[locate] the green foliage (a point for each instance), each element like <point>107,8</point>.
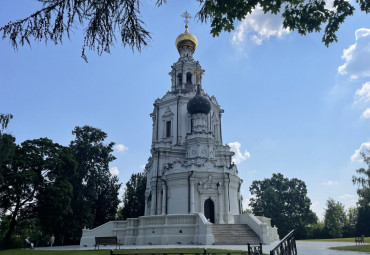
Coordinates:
<point>302,16</point>
<point>37,167</point>
<point>134,197</point>
<point>316,230</point>
<point>95,190</point>
<point>7,142</point>
<point>335,219</point>
<point>285,201</point>
<point>4,121</point>
<point>349,229</point>
<point>46,188</point>
<point>363,191</point>
<point>344,240</point>
<point>101,20</point>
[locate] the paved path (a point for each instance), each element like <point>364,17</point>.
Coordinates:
<point>304,248</point>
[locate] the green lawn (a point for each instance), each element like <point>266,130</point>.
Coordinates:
<point>348,240</point>
<point>106,252</point>
<point>365,248</point>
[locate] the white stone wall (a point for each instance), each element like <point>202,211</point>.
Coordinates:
<point>155,230</point>
<point>260,225</point>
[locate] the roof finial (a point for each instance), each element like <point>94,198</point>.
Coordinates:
<point>186,16</point>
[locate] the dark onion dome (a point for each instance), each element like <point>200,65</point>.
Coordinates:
<point>199,104</point>
<point>186,39</point>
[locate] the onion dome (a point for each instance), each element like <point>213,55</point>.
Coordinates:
<point>199,104</point>
<point>186,39</point>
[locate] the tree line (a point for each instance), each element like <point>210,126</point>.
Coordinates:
<point>285,201</point>
<point>47,188</point>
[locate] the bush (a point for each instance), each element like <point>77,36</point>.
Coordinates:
<point>15,242</point>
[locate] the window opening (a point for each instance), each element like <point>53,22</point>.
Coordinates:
<point>168,129</point>
<point>188,78</point>
<point>179,78</point>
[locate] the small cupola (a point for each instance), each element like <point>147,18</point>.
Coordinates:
<point>186,39</point>
<point>199,103</point>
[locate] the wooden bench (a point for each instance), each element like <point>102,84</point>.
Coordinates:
<point>107,240</point>
<point>359,240</point>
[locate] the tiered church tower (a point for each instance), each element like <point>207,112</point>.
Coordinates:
<point>190,170</point>
<point>193,190</point>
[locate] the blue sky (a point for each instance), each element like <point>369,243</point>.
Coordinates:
<point>291,104</point>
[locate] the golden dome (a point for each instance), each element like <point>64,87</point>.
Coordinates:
<point>186,39</point>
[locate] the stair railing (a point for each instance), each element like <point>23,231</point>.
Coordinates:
<point>255,249</point>
<point>287,246</point>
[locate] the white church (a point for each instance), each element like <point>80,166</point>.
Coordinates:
<point>193,190</point>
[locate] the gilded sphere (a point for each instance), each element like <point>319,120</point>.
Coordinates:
<point>186,39</point>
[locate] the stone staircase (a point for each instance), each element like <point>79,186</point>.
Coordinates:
<point>239,234</point>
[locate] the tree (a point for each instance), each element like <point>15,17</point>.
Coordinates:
<point>7,141</point>
<point>33,167</point>
<point>54,200</point>
<point>334,219</point>
<point>134,197</point>
<point>363,191</point>
<point>349,229</point>
<point>57,18</point>
<point>95,190</point>
<point>285,201</point>
<point>7,147</point>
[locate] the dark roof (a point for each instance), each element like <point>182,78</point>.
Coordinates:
<point>199,104</point>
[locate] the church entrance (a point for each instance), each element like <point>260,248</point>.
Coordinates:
<point>209,210</point>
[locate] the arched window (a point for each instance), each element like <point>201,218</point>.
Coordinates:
<point>188,78</point>
<point>179,79</point>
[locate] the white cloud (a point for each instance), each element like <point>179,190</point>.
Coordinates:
<point>366,114</point>
<point>349,200</point>
<point>114,171</point>
<point>347,197</point>
<point>363,95</point>
<point>365,147</point>
<point>238,157</point>
<point>357,56</point>
<point>330,183</point>
<point>260,26</point>
<point>120,147</point>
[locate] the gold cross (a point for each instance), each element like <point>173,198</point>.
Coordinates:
<point>187,16</point>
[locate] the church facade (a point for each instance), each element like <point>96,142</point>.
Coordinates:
<point>192,184</point>
<point>190,170</point>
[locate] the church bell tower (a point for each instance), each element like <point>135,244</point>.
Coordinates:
<point>190,170</point>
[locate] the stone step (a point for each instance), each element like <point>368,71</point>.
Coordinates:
<point>229,234</point>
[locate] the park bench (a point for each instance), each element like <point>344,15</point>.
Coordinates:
<point>359,240</point>
<point>107,240</point>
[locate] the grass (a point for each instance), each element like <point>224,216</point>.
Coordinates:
<point>347,240</point>
<point>106,252</point>
<point>364,248</point>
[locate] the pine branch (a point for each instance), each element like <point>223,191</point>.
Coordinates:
<point>103,17</point>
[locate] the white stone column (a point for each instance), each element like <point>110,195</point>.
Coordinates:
<point>153,201</point>
<point>146,204</point>
<point>192,203</point>
<point>226,200</point>
<point>164,198</point>
<point>221,212</point>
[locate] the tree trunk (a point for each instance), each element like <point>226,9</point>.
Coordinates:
<point>8,235</point>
